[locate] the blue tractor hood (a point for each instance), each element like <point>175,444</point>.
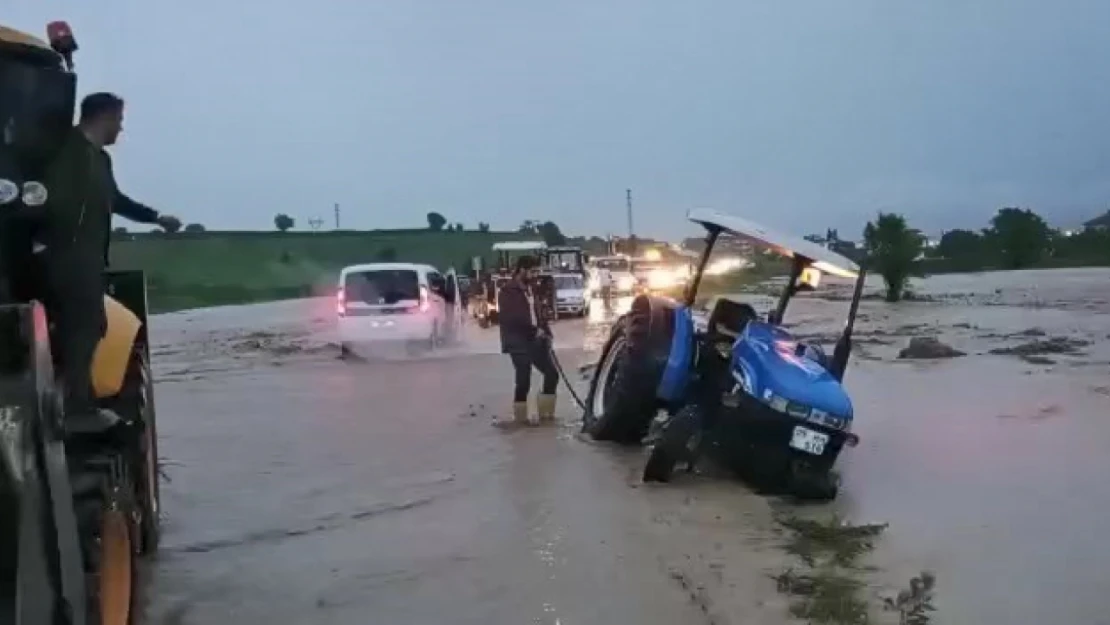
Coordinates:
<point>766,362</point>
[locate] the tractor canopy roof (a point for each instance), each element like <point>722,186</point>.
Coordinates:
<point>820,258</point>
<point>518,246</point>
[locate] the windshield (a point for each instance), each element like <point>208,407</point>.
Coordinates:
<point>569,282</point>
<point>564,260</point>
<point>382,286</point>
<point>613,264</point>
<point>644,266</point>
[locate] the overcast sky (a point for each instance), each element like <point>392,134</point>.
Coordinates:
<point>804,114</point>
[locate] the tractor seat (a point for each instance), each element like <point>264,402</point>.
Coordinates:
<point>729,317</point>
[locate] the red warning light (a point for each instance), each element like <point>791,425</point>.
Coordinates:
<point>62,40</point>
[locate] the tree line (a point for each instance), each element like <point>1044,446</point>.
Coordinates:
<point>1015,238</point>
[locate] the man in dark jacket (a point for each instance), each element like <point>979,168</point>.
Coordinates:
<point>75,232</point>
<point>526,338</point>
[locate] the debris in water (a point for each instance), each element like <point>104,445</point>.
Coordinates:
<point>928,348</point>
<point>1054,345</point>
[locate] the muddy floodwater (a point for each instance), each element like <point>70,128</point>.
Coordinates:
<point>307,489</point>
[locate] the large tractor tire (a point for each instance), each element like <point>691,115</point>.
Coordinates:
<point>622,401</point>
<point>104,504</point>
<point>136,405</point>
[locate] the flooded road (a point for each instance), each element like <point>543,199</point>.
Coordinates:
<point>309,489</point>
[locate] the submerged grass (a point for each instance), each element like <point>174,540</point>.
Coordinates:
<point>825,596</point>
<point>837,542</point>
<point>829,591</point>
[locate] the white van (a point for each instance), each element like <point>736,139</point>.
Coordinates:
<point>398,302</point>
<point>571,298</point>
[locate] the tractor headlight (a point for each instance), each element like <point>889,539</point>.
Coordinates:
<point>802,411</point>
<point>9,191</point>
<point>34,193</point>
<point>786,406</point>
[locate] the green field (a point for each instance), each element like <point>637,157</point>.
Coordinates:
<point>189,270</point>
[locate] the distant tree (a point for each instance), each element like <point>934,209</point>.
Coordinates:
<point>551,233</point>
<point>963,247</point>
<point>483,226</point>
<point>892,250</point>
<point>387,254</point>
<point>528,226</point>
<point>1021,236</point>
<point>119,230</point>
<point>194,228</point>
<point>283,222</point>
<point>458,227</point>
<point>436,222</point>
<point>172,226</point>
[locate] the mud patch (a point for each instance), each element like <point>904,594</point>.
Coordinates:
<point>928,348</point>
<point>1058,345</point>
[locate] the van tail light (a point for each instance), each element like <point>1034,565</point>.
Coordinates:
<point>425,304</point>
<point>341,302</point>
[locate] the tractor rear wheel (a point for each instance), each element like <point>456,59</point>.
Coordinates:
<point>622,401</point>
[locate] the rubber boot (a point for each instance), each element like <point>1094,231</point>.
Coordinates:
<point>520,417</point>
<point>545,408</point>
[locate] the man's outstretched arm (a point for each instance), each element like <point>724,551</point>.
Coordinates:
<point>135,211</point>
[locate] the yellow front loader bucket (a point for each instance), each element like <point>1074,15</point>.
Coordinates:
<point>113,353</point>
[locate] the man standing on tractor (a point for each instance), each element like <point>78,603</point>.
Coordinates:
<point>76,229</point>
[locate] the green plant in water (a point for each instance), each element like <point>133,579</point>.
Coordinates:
<point>825,596</point>
<point>915,603</point>
<point>834,540</point>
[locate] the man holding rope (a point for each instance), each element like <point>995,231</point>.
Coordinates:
<point>526,338</point>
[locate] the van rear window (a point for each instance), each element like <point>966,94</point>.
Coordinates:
<point>382,286</point>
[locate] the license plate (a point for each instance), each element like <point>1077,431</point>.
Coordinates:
<point>809,441</point>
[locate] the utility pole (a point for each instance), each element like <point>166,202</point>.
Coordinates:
<point>337,215</point>
<point>631,234</point>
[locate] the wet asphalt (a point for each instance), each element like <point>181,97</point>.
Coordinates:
<point>306,489</point>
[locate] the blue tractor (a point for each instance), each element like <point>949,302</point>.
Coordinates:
<point>729,380</point>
